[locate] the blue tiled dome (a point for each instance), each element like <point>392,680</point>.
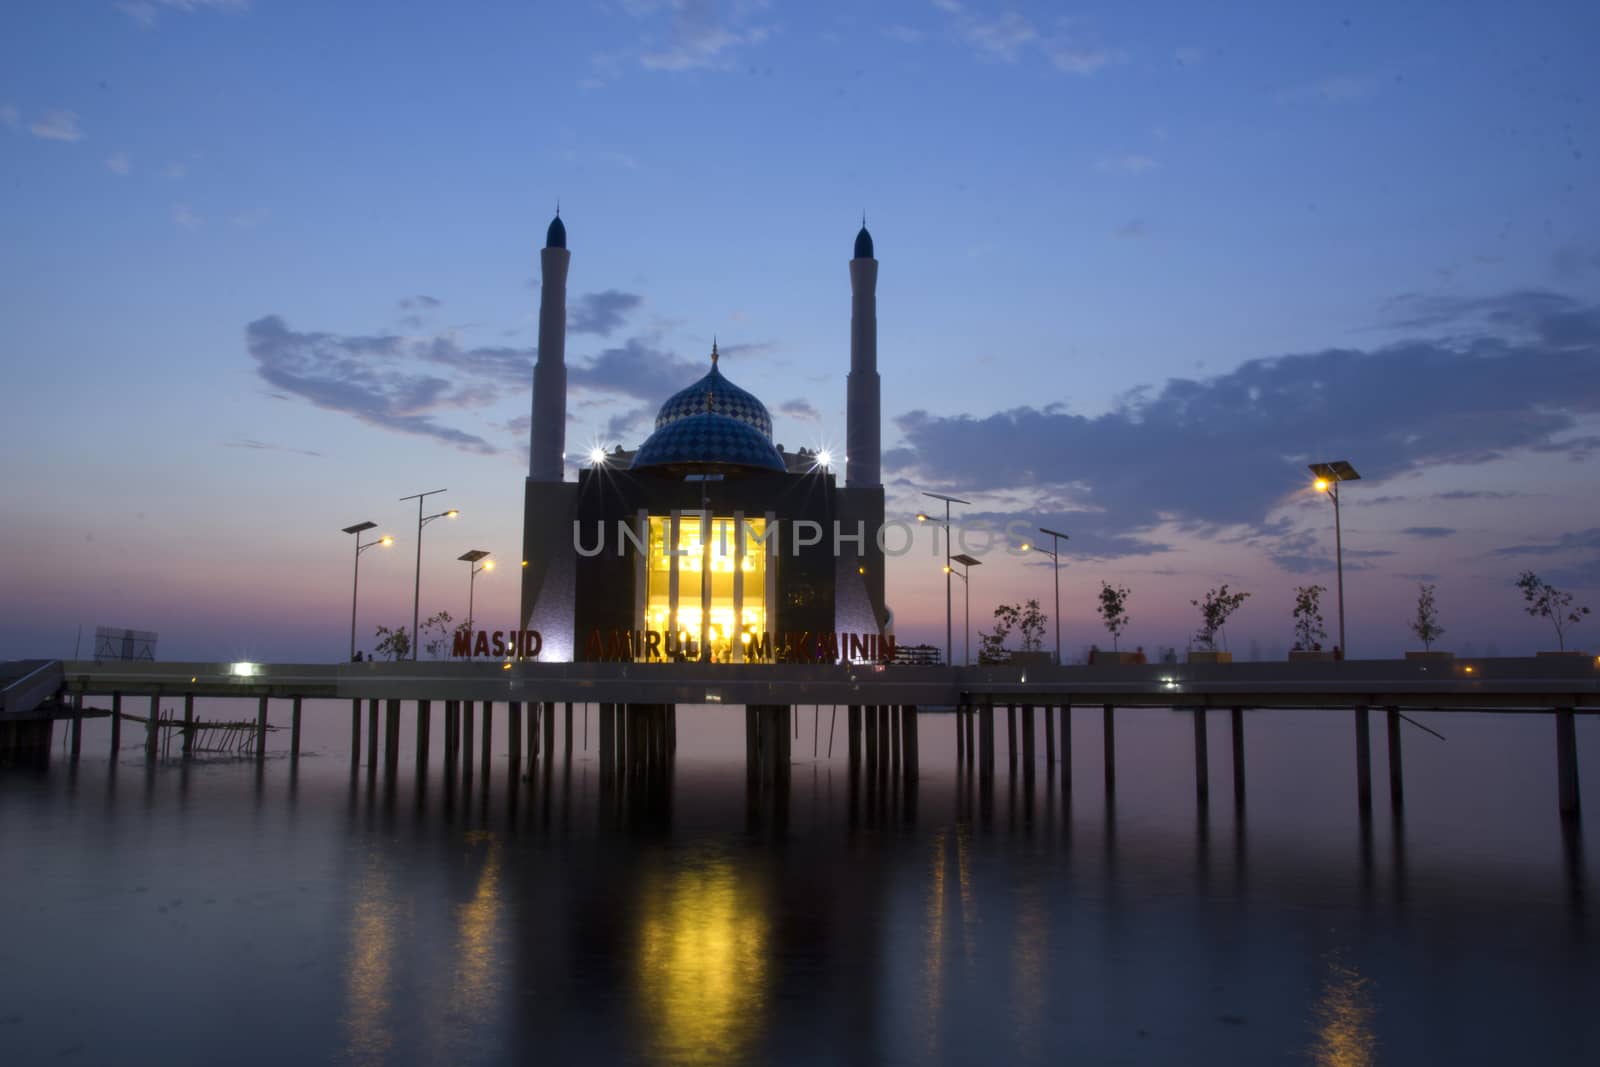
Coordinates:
<point>716,393</point>
<point>715,423</point>
<point>708,438</point>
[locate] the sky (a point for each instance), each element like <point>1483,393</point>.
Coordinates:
<point>266,267</point>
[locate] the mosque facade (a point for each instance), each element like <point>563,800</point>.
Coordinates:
<point>706,542</point>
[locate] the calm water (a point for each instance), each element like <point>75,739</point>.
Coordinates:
<point>214,910</point>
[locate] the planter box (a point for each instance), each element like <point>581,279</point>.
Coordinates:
<point>1311,657</point>
<point>1211,657</point>
<point>1432,657</point>
<point>1098,656</point>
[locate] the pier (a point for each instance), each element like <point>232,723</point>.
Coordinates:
<point>884,708</point>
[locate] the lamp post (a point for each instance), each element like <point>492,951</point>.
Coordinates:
<point>967,563</point>
<point>416,590</point>
<point>358,529</point>
<point>1054,552</point>
<point>471,560</point>
<point>1329,475</point>
<point>949,643</point>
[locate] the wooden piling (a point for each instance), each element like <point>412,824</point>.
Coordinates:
<point>913,759</point>
<point>607,744</point>
<point>514,735</point>
<point>1363,761</point>
<point>852,726</point>
<point>1029,755</point>
<point>488,737</point>
<point>1397,784</point>
<point>870,720</point>
<point>116,724</point>
<point>566,747</point>
<point>1236,717</point>
<point>152,729</point>
<point>1049,739</point>
<point>972,736</point>
<point>294,729</point>
<point>466,740</point>
<point>961,736</point>
<point>77,726</point>
<point>355,733</point>
<point>372,734</point>
<point>986,741</point>
<point>894,740</point>
<point>550,731</point>
<point>391,737</point>
<point>1110,748</point>
<point>1567,762</point>
<point>885,744</point>
<point>1011,736</point>
<point>424,727</point>
<point>1202,764</point>
<point>1066,750</point>
<point>261,728</point>
<point>188,723</point>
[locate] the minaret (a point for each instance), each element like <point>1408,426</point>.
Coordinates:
<point>545,459</point>
<point>862,437</point>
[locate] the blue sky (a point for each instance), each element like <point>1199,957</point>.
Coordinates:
<point>1139,263</point>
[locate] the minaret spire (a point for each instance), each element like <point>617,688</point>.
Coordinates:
<point>546,455</point>
<point>863,440</point>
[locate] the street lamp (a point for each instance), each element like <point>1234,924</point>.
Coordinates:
<point>1329,475</point>
<point>949,644</point>
<point>967,563</point>
<point>358,529</point>
<point>1054,552</point>
<point>422,520</point>
<point>471,559</point>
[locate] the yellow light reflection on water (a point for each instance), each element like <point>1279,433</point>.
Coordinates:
<point>472,996</point>
<point>702,968</point>
<point>1344,1019</point>
<point>934,964</point>
<point>369,971</point>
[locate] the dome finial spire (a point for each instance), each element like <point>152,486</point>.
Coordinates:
<point>713,350</point>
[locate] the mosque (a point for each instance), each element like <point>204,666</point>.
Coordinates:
<point>706,542</point>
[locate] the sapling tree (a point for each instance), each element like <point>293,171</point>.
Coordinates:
<point>1308,629</point>
<point>1546,601</point>
<point>392,644</point>
<point>1216,607</point>
<point>1426,624</point>
<point>1114,609</point>
<point>1030,624</point>
<point>436,632</point>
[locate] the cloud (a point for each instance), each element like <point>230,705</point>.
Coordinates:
<point>749,348</point>
<point>118,164</point>
<point>420,302</point>
<point>799,408</point>
<point>10,118</point>
<point>1011,37</point>
<point>1128,163</point>
<point>1572,262</point>
<point>147,12</point>
<point>904,34</point>
<point>386,381</point>
<point>1335,89</point>
<point>1399,409</point>
<point>1131,230</point>
<point>57,126</point>
<point>696,34</point>
<point>1429,532</point>
<point>627,426</point>
<point>1580,540</point>
<point>263,446</point>
<point>635,369</point>
<point>601,313</point>
<point>185,217</point>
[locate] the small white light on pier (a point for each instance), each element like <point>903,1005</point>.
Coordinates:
<point>245,670</point>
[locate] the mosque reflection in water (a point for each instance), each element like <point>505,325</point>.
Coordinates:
<point>691,916</point>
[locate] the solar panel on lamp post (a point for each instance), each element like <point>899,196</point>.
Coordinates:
<point>471,559</point>
<point>416,590</point>
<point>967,563</point>
<point>949,641</point>
<point>358,529</point>
<point>1329,475</point>
<point>1054,552</point>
